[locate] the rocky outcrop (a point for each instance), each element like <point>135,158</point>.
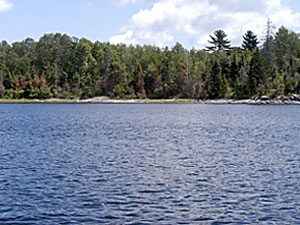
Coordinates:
<point>259,100</point>
<point>292,99</point>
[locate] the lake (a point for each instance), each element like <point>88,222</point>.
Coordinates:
<point>149,164</point>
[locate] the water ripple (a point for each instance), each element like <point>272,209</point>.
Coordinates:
<point>149,164</point>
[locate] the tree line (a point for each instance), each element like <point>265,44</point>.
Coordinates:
<point>60,66</point>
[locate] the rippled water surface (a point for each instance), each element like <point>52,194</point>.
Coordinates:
<point>149,164</point>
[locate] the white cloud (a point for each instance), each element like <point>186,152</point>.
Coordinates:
<point>191,21</point>
<point>127,2</point>
<point>5,5</point>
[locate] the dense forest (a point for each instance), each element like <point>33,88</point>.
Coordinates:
<point>60,66</point>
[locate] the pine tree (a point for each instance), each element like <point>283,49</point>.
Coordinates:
<point>250,41</point>
<point>257,73</point>
<point>215,80</point>
<point>234,71</point>
<point>219,41</point>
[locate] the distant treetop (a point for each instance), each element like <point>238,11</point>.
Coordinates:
<point>250,41</point>
<point>218,41</point>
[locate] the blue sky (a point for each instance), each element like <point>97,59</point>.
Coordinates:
<point>97,20</point>
<point>157,22</point>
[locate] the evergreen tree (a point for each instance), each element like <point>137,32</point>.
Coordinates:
<point>257,75</point>
<point>234,71</point>
<point>67,67</point>
<point>215,80</point>
<point>250,41</point>
<point>219,41</point>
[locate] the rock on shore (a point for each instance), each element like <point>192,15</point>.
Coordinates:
<point>260,100</point>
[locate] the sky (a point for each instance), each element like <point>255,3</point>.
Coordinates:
<point>156,22</point>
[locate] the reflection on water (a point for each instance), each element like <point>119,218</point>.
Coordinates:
<point>149,164</point>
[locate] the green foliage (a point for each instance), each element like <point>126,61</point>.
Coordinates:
<point>286,47</point>
<point>257,75</point>
<point>216,86</point>
<point>268,47</point>
<point>218,41</point>
<point>277,84</point>
<point>59,66</point>
<point>250,41</point>
<point>240,90</point>
<point>2,88</point>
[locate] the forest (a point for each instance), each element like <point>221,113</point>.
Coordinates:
<point>64,67</point>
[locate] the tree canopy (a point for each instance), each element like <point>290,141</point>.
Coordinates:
<point>250,41</point>
<point>218,41</point>
<point>60,66</point>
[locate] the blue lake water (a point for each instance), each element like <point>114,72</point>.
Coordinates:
<point>149,164</point>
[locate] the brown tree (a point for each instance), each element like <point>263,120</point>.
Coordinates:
<point>140,85</point>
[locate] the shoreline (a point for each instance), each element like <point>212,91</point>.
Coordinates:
<point>293,100</point>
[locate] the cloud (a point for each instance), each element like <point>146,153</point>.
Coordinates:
<point>127,2</point>
<point>191,21</point>
<point>5,5</point>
